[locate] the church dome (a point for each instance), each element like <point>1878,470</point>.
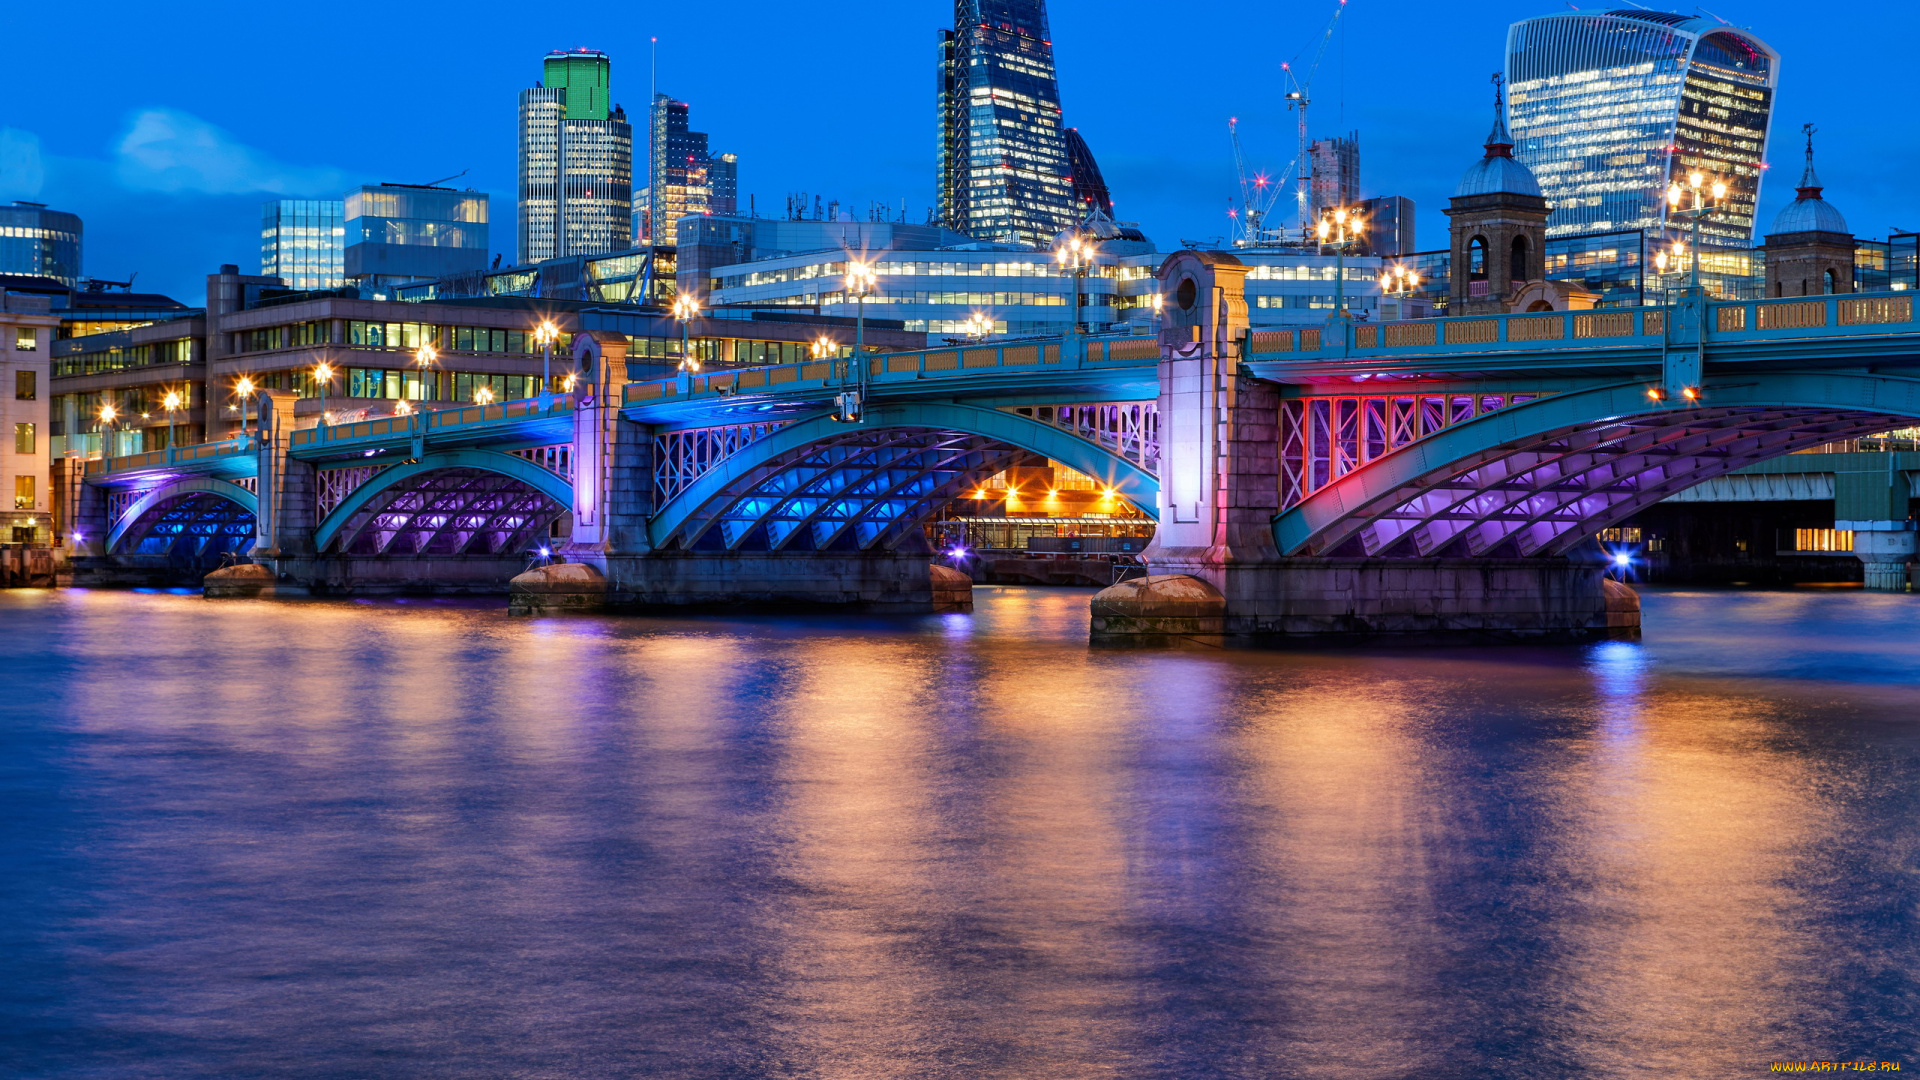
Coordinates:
<point>1498,173</point>
<point>1808,212</point>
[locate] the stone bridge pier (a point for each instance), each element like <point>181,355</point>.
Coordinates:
<point>1215,567</point>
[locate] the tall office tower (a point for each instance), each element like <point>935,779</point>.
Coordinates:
<point>303,242</point>
<point>1005,174</point>
<point>37,241</point>
<point>723,175</point>
<point>576,161</point>
<point>681,180</point>
<point>1334,172</point>
<point>1089,187</point>
<point>1608,109</point>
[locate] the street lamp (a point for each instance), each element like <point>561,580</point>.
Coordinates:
<point>1340,228</point>
<point>483,396</point>
<point>685,308</point>
<point>824,347</point>
<point>244,391</point>
<point>546,334</point>
<point>323,374</point>
<point>861,279</point>
<point>107,415</point>
<point>423,358</point>
<point>171,403</point>
<point>1696,185</point>
<point>978,327</point>
<point>1074,256</point>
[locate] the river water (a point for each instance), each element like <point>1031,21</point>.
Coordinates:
<point>424,840</point>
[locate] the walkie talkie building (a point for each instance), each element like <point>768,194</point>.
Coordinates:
<point>1608,108</point>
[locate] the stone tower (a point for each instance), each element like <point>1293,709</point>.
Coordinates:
<point>1809,249</point>
<point>1499,226</point>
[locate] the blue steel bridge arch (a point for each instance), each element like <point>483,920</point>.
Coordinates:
<point>497,494</point>
<point>824,485</point>
<point>1538,478</point>
<point>199,501</point>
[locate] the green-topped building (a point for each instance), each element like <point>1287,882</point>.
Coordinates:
<point>576,161</point>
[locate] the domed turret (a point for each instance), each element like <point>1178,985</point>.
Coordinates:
<point>1498,222</point>
<point>1808,212</point>
<point>1498,172</point>
<point>1809,249</point>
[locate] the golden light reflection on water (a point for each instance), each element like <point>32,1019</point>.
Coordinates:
<point>970,846</point>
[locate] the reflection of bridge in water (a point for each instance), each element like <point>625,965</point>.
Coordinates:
<point>1446,473</point>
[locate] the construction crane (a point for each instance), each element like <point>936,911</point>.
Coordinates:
<point>1257,194</point>
<point>1298,98</point>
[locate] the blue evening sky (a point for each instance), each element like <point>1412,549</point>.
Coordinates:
<point>166,127</point>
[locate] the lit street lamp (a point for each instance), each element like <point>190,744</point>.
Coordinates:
<point>244,391</point>
<point>323,374</point>
<point>861,278</point>
<point>423,358</point>
<point>107,415</point>
<point>685,308</point>
<point>1074,256</point>
<point>1340,228</point>
<point>483,396</point>
<point>171,403</point>
<point>978,327</point>
<point>1697,185</point>
<point>546,334</point>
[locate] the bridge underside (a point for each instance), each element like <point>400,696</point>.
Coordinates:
<point>196,528</point>
<point>1543,494</point>
<point>861,490</point>
<point>450,512</point>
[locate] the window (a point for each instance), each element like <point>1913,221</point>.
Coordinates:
<point>23,493</point>
<point>25,385</point>
<point>24,340</point>
<point>23,438</point>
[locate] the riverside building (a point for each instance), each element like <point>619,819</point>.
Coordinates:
<point>1608,108</point>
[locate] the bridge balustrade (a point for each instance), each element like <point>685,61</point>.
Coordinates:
<point>534,408</point>
<point>906,367</point>
<point>173,456</point>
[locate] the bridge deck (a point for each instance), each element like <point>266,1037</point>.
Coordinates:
<point>1044,372</point>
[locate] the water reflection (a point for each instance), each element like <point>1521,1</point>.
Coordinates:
<point>403,840</point>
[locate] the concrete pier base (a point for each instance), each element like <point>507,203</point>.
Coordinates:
<point>1323,600</point>
<point>952,590</point>
<point>246,581</point>
<point>393,575</point>
<point>564,588</point>
<point>1159,609</point>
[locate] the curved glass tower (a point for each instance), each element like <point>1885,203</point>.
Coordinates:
<point>1608,108</point>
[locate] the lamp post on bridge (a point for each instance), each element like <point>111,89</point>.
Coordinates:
<point>1696,185</point>
<point>171,403</point>
<point>244,391</point>
<point>323,374</point>
<point>423,358</point>
<point>546,334</point>
<point>685,308</point>
<point>1340,227</point>
<point>1074,256</point>
<point>107,415</point>
<point>861,279</point>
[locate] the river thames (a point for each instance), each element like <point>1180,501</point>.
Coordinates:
<point>424,840</point>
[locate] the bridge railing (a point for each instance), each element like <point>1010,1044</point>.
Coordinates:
<point>534,408</point>
<point>1728,321</point>
<point>174,455</point>
<point>958,361</point>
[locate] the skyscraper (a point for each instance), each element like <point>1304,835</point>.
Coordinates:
<point>576,161</point>
<point>684,178</point>
<point>37,241</point>
<point>1005,174</point>
<point>1089,187</point>
<point>1609,108</point>
<point>304,242</point>
<point>1334,172</point>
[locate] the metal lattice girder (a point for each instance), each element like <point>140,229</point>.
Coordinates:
<point>1538,478</point>
<point>822,483</point>
<point>859,489</point>
<point>523,487</point>
<point>1130,429</point>
<point>1325,437</point>
<point>681,457</point>
<point>188,524</point>
<point>140,511</point>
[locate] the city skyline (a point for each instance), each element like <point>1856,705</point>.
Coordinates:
<point>170,185</point>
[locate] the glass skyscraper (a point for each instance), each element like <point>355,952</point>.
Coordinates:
<point>576,161</point>
<point>37,241</point>
<point>304,242</point>
<point>685,178</point>
<point>1608,108</point>
<point>1005,174</point>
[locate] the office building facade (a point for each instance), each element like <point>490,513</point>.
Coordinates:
<point>1333,170</point>
<point>1005,174</point>
<point>1607,109</point>
<point>412,232</point>
<point>303,242</point>
<point>26,341</point>
<point>684,178</point>
<point>576,162</point>
<point>38,242</point>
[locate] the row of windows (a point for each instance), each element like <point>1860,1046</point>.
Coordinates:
<point>159,353</point>
<point>450,386</point>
